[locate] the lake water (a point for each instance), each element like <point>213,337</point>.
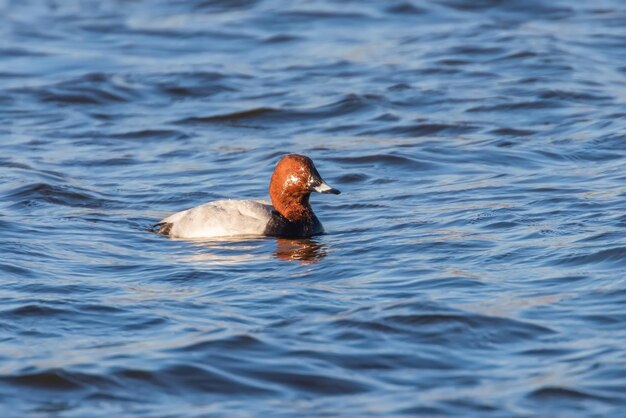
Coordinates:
<point>474,264</point>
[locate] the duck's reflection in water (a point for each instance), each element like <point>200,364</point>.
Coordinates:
<point>239,250</point>
<point>304,250</point>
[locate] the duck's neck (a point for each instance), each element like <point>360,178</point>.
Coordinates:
<point>295,208</point>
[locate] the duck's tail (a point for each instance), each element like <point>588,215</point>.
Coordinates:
<point>163,228</point>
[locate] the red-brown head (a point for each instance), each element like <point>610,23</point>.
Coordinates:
<point>294,178</point>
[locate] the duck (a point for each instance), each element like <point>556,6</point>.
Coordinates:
<point>288,214</point>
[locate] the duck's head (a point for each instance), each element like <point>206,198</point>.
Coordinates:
<point>294,178</point>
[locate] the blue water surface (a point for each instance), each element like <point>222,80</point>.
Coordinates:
<point>474,264</point>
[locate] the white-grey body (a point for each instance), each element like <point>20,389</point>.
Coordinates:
<point>222,218</point>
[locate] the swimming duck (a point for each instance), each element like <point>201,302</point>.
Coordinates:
<point>288,215</point>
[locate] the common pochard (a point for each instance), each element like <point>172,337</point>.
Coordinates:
<point>288,215</point>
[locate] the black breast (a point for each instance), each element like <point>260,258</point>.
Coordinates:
<point>279,226</point>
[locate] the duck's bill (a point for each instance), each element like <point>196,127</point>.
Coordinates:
<point>322,187</point>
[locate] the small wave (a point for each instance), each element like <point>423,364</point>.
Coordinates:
<point>520,55</point>
<point>80,96</point>
<point>406,8</point>
<point>55,175</point>
<point>90,89</point>
<point>347,105</point>
<point>512,132</point>
<point>574,96</point>
<point>526,105</point>
<point>453,62</point>
<point>281,38</point>
<point>445,326</point>
<point>520,10</point>
<point>612,256</point>
<point>352,178</point>
<point>309,15</point>
<point>240,342</point>
<point>193,377</point>
<point>9,75</point>
<point>386,160</point>
<point>11,269</point>
<point>35,310</point>
<point>469,320</point>
<point>20,52</point>
<point>223,5</point>
<point>475,50</point>
<point>423,129</point>
<point>57,195</point>
<point>252,114</point>
<point>471,6</point>
<point>192,84</point>
<point>562,393</point>
<point>160,134</point>
<point>308,382</point>
<point>358,206</point>
<point>58,380</point>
